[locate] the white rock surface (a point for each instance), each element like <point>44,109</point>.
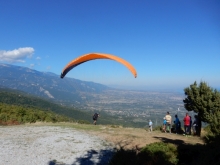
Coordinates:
<point>51,145</point>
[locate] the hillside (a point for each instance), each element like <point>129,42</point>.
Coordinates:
<point>122,107</point>
<point>27,101</point>
<point>14,97</point>
<point>67,91</point>
<point>15,115</point>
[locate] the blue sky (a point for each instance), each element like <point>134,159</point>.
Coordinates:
<point>171,43</point>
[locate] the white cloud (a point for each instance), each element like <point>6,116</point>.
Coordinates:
<point>38,58</point>
<point>16,55</point>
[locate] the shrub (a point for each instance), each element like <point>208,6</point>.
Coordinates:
<point>158,153</point>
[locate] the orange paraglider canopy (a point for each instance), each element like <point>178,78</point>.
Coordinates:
<point>93,56</point>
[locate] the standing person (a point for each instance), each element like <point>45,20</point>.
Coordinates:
<point>177,124</point>
<point>150,125</point>
<point>195,125</point>
<point>186,123</point>
<point>95,118</point>
<point>168,122</point>
<point>164,124</point>
<point>190,125</point>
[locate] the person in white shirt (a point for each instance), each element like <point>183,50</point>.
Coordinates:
<point>150,125</point>
<point>169,121</point>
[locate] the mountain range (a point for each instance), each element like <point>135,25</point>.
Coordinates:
<point>67,91</point>
<point>125,106</point>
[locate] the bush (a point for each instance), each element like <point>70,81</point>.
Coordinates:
<point>158,153</point>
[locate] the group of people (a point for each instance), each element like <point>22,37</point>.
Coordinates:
<point>167,124</point>
<point>188,124</point>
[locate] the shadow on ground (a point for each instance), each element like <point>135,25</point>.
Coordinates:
<point>187,153</point>
<point>168,140</point>
<point>92,157</point>
<point>160,154</point>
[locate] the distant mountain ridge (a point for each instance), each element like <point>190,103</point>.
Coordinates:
<point>47,84</point>
<point>127,107</point>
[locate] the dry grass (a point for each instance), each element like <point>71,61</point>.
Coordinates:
<point>128,138</point>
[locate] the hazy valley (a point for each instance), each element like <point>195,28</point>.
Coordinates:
<point>138,106</point>
<point>125,106</point>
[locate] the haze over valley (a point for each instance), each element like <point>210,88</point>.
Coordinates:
<point>124,105</point>
<point>139,105</point>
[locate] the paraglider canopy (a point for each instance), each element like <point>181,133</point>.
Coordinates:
<point>94,56</point>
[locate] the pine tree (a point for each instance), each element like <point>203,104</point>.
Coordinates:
<point>205,101</point>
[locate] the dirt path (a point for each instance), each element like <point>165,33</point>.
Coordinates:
<point>136,138</point>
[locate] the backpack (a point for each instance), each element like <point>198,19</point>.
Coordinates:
<point>95,116</point>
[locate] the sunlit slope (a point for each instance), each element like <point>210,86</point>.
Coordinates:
<point>19,98</point>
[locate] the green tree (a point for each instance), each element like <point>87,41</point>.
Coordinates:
<point>205,101</point>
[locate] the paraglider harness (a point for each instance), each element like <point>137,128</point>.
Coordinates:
<point>95,116</point>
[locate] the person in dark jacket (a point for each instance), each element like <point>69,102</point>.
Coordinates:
<point>195,125</point>
<point>177,124</point>
<point>190,125</point>
<point>95,118</point>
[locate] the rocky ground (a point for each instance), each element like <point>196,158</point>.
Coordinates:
<point>75,144</point>
<point>49,145</point>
